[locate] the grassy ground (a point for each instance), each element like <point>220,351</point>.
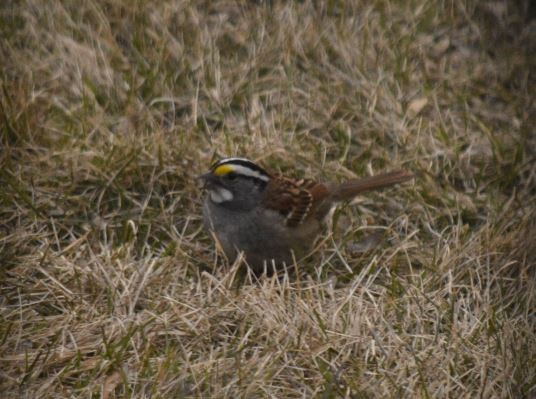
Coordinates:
<point>109,286</point>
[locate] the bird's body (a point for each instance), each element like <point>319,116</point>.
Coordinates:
<point>253,232</point>
<point>272,219</point>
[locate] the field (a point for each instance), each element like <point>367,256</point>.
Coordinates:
<point>110,287</point>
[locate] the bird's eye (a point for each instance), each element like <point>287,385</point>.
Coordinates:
<point>231,175</point>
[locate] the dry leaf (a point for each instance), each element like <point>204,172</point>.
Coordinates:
<point>441,46</point>
<point>110,384</point>
<point>416,106</point>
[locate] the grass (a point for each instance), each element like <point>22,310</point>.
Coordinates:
<point>109,286</point>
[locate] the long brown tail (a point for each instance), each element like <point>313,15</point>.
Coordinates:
<point>351,188</point>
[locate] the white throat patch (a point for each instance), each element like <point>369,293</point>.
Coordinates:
<point>220,194</point>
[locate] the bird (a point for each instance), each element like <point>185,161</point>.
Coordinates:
<point>271,219</point>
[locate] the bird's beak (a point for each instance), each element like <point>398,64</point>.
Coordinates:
<point>205,179</point>
<point>204,176</point>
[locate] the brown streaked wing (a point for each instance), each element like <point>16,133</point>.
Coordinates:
<point>296,200</point>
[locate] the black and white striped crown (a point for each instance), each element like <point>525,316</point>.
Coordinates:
<point>241,167</point>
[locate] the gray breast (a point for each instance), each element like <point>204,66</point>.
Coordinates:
<point>259,233</point>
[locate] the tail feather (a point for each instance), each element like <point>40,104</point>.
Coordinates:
<point>351,188</point>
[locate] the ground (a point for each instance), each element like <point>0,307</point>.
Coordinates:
<point>109,286</point>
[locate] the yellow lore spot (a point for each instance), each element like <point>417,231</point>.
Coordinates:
<point>223,170</point>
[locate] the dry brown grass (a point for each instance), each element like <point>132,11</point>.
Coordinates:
<point>109,287</point>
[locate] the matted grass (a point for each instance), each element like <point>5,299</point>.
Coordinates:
<point>109,286</point>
